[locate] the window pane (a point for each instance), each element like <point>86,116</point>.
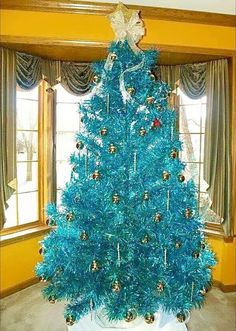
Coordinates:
<point>27,174</point>
<point>65,145</point>
<point>192,172</point>
<point>191,147</point>
<point>29,94</point>
<point>203,117</point>
<point>27,114</point>
<point>208,214</point>
<point>58,196</point>
<point>203,183</point>
<point>185,100</point>
<point>202,147</point>
<point>27,146</point>
<point>190,118</point>
<point>64,96</point>
<point>68,118</point>
<point>63,173</point>
<point>11,212</point>
<point>28,207</point>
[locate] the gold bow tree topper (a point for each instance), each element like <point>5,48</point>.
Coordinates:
<point>127,25</point>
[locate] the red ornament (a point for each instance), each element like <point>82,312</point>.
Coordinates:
<point>156,123</point>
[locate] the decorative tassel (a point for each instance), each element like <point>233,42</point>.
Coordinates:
<point>165,257</point>
<point>135,162</point>
<point>118,254</point>
<point>172,133</point>
<point>86,163</point>
<point>108,103</point>
<point>168,201</point>
<point>91,308</point>
<point>192,289</point>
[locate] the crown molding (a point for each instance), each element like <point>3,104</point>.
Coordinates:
<point>11,40</point>
<point>88,51</point>
<point>97,8</point>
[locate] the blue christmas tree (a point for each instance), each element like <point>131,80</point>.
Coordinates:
<point>127,235</point>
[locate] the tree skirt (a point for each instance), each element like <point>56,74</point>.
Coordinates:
<point>163,322</point>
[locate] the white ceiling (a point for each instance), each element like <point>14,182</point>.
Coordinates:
<point>214,6</point>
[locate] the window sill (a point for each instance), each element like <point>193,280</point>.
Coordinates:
<point>211,230</point>
<point>216,230</point>
<point>23,235</point>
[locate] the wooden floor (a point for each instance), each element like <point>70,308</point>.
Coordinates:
<point>27,311</point>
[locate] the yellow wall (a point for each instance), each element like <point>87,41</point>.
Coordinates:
<point>225,271</point>
<point>97,28</point>
<point>18,259</point>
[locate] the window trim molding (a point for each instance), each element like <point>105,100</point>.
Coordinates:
<point>24,234</point>
<point>42,189</point>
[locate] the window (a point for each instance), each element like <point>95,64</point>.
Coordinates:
<point>192,115</point>
<point>34,126</point>
<point>20,211</point>
<point>67,124</point>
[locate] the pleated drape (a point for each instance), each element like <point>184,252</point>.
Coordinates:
<point>76,78</point>
<point>217,165</point>
<point>7,129</point>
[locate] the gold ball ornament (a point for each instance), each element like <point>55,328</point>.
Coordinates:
<point>52,299</point>
<point>113,56</point>
<point>130,315</point>
<point>112,149</point>
<point>84,236</point>
<point>142,132</point>
<point>145,195</point>
<point>42,279</point>
<point>157,217</point>
<point>174,154</point>
<point>188,213</point>
<point>196,255</point>
<point>131,90</point>
<point>95,266</point>
<point>79,145</point>
<point>150,99</point>
<point>181,178</point>
<point>70,217</point>
<point>96,175</point>
<point>50,222</point>
<point>152,76</point>
<point>204,291</point>
<point>96,79</point>
<point>116,286</point>
<point>165,175</point>
<point>116,198</point>
<point>149,318</point>
<point>59,270</point>
<point>145,239</point>
<point>160,287</point>
<point>70,320</point>
<point>181,317</point>
<point>178,244</point>
<point>103,132</point>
